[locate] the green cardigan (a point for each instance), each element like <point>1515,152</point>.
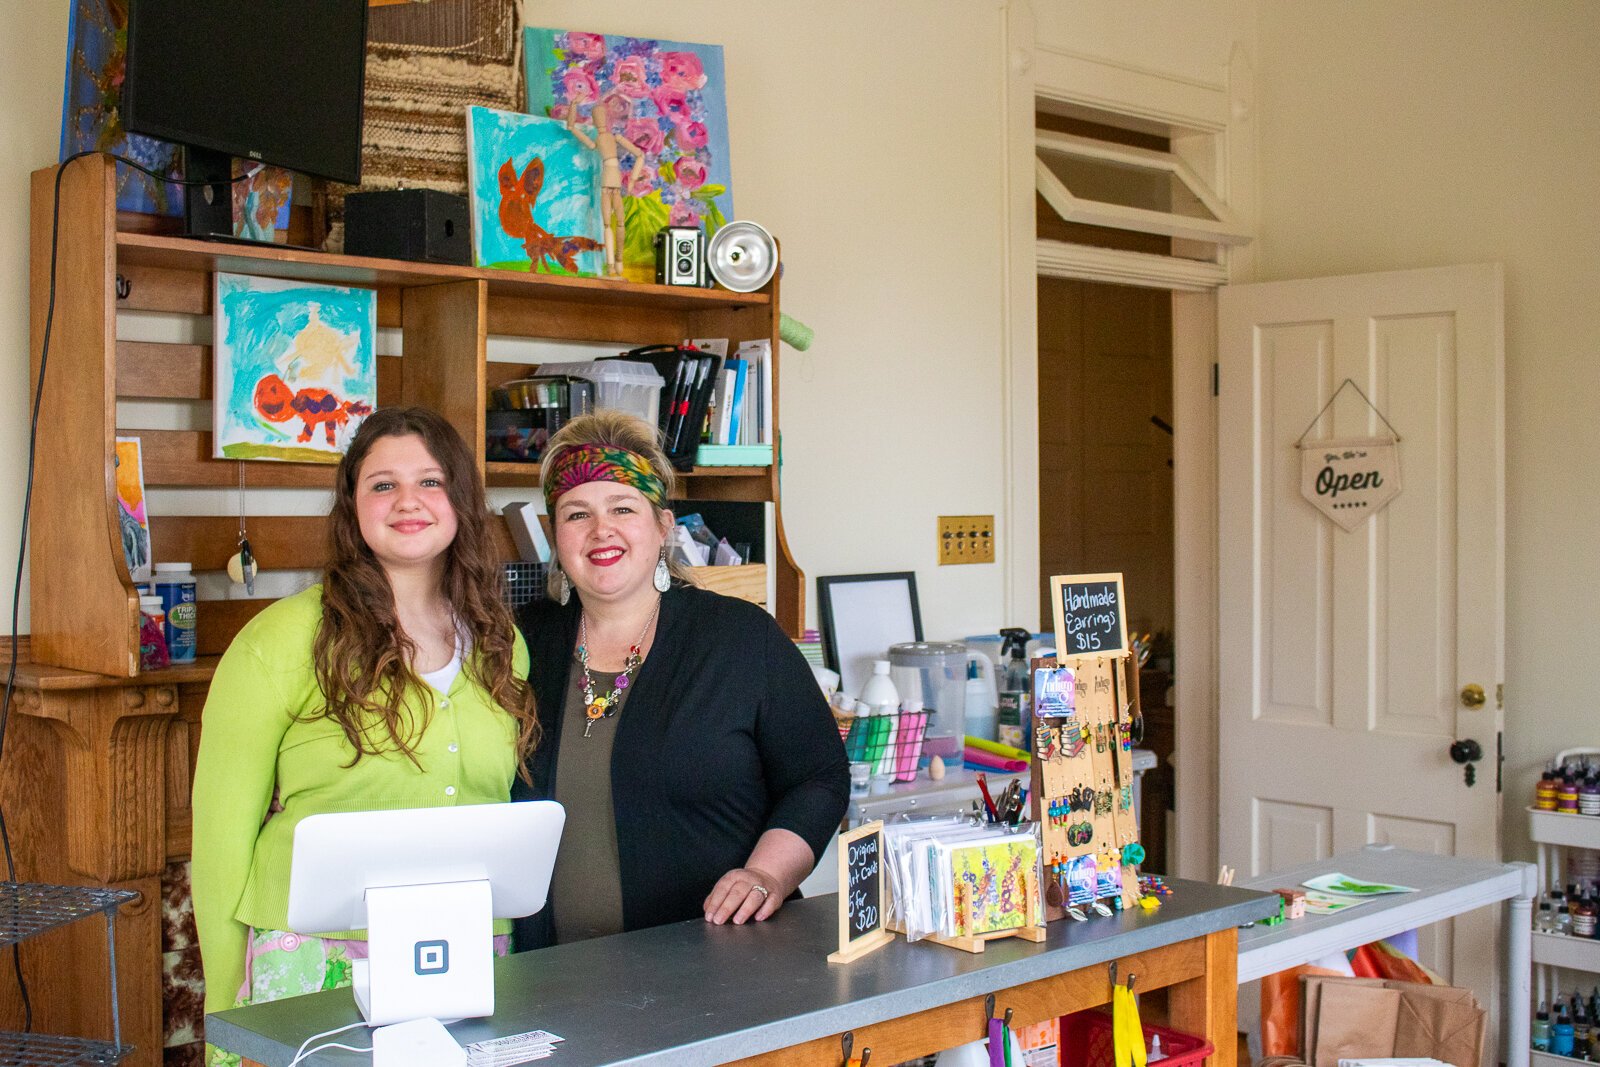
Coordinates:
<point>255,743</point>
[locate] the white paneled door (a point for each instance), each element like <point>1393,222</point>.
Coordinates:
<point>1348,660</point>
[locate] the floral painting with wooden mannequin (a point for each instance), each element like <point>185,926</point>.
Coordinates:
<point>701,771</point>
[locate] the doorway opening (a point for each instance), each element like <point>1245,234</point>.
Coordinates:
<point>1105,453</point>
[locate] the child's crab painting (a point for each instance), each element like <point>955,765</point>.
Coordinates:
<point>296,369</point>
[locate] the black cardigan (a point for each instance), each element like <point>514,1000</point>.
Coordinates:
<point>725,735</point>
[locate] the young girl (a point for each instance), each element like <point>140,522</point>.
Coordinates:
<point>398,682</point>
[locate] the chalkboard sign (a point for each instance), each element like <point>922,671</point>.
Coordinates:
<point>1090,617</point>
<point>861,911</point>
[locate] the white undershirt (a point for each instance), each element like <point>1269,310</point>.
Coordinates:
<point>443,678</point>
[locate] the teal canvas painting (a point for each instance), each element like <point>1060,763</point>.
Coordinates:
<point>295,368</point>
<point>535,192</point>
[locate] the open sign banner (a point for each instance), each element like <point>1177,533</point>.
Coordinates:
<point>1350,481</point>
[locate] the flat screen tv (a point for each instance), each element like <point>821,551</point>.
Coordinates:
<point>278,81</point>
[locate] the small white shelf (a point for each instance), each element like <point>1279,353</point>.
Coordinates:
<point>1550,1059</point>
<point>1564,828</point>
<point>1563,950</point>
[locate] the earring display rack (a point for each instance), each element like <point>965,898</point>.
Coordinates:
<point>1082,791</point>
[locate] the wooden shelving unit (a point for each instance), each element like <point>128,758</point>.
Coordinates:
<point>84,609</point>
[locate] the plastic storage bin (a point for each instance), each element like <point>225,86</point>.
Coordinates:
<point>619,384</point>
<point>1086,1042</point>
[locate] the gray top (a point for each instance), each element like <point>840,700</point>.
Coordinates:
<point>1445,886</point>
<point>587,886</point>
<point>691,993</point>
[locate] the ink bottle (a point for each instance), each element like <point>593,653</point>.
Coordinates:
<point>1561,1032</point>
<point>1583,922</point>
<point>1589,794</point>
<point>1544,794</point>
<point>1567,791</point>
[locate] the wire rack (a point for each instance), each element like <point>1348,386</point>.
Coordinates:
<point>31,908</point>
<point>28,909</point>
<point>50,1050</point>
<point>521,582</point>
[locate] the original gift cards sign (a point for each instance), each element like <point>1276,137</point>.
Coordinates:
<point>863,924</point>
<point>1089,615</point>
<point>1350,481</point>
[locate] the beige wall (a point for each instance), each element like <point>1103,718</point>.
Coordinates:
<point>1416,134</point>
<point>870,145</point>
<point>31,71</point>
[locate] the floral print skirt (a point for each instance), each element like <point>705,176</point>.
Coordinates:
<point>279,965</point>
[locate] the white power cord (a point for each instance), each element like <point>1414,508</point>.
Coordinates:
<point>302,1052</point>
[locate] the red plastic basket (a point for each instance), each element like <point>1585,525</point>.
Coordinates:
<point>1086,1042</point>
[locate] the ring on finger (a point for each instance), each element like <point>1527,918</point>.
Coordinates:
<point>763,890</point>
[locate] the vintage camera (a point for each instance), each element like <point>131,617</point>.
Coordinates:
<point>681,256</point>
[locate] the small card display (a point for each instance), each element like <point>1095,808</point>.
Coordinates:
<point>1089,615</point>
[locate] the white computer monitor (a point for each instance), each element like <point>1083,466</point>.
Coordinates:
<point>426,884</point>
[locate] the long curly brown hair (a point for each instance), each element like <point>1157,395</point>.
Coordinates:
<point>361,654</point>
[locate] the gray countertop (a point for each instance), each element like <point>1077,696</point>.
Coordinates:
<point>694,994</point>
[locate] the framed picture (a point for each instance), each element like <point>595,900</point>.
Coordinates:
<point>861,616</point>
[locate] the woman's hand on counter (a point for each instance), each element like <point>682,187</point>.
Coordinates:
<point>776,867</point>
<point>743,894</point>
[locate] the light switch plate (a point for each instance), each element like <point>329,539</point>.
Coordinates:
<point>966,539</point>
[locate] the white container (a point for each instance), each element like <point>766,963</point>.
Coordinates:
<point>983,698</point>
<point>619,384</point>
<point>880,693</point>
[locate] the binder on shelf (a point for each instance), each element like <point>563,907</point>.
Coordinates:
<point>691,377</point>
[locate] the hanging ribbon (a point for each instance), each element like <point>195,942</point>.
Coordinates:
<point>1127,1032</point>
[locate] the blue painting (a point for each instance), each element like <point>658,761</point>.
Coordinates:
<point>665,107</point>
<point>296,369</point>
<point>535,193</point>
<point>91,108</point>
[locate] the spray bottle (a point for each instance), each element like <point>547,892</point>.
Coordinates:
<point>1015,725</point>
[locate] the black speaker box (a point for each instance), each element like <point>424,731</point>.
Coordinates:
<point>416,224</point>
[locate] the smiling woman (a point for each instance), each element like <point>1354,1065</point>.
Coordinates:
<point>700,769</point>
<point>398,682</point>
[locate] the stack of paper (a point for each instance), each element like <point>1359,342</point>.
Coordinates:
<point>1329,893</point>
<point>518,1048</point>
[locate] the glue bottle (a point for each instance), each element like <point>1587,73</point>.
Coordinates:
<point>1013,726</point>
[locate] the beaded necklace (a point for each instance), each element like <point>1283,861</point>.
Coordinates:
<point>597,708</point>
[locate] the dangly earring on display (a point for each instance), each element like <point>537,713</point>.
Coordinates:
<point>242,564</point>
<point>663,576</point>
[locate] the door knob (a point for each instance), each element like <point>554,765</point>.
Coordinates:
<point>1472,696</point>
<point>1468,752</point>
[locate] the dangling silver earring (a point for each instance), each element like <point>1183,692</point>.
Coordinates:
<point>562,583</point>
<point>663,576</point>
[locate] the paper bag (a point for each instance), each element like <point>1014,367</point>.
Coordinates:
<point>1439,1021</point>
<point>1354,1022</point>
<point>1311,1000</point>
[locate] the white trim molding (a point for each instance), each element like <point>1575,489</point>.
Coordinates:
<point>1162,103</point>
<point>1061,259</point>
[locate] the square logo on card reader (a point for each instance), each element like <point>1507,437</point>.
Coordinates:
<point>432,957</point>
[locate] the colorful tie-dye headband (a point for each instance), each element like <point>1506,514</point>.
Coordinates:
<point>580,464</point>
